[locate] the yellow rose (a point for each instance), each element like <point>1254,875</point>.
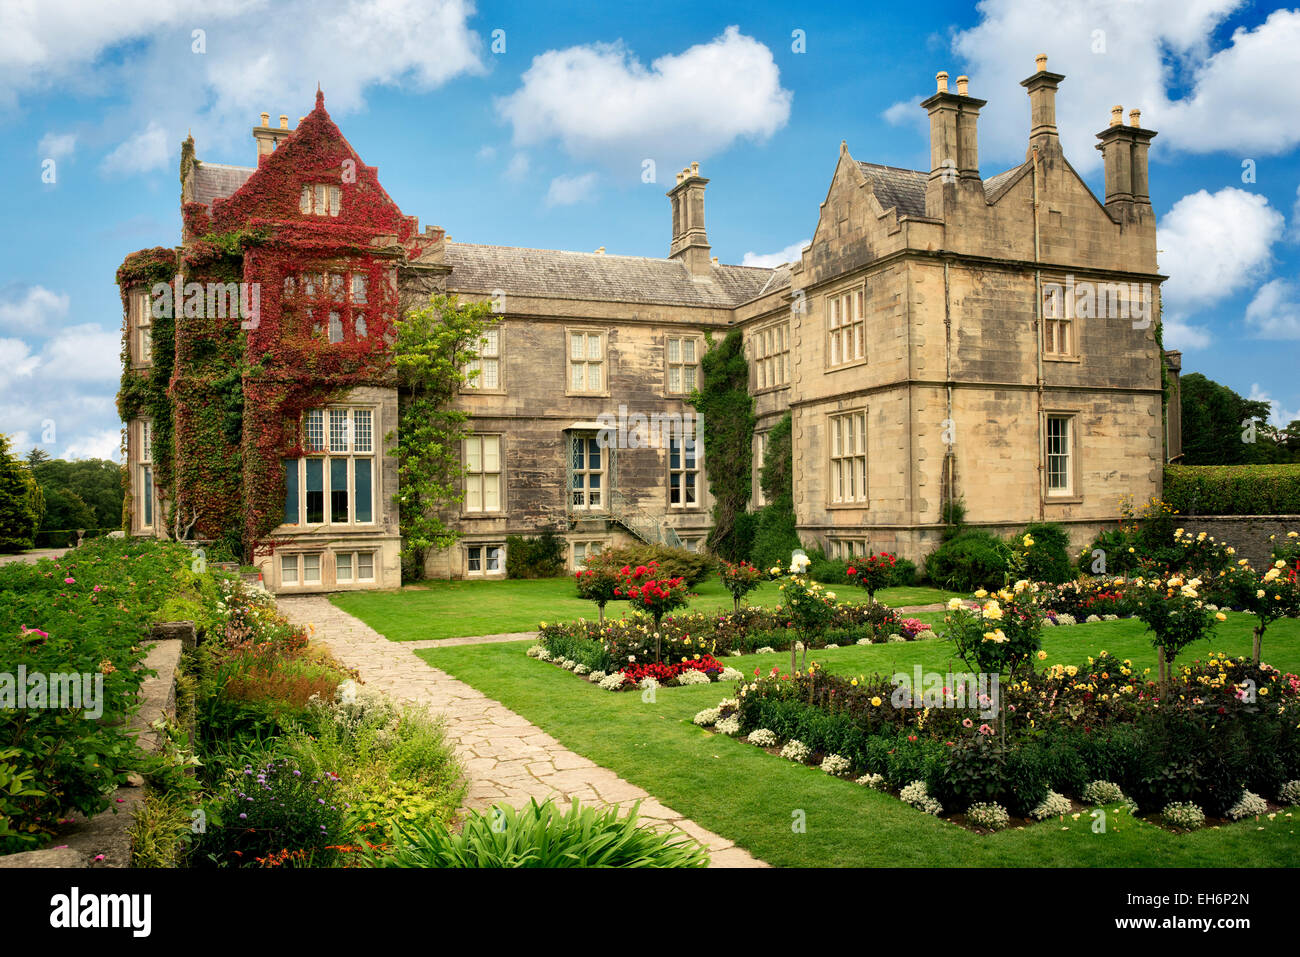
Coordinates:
<point>875,702</point>
<point>954,604</point>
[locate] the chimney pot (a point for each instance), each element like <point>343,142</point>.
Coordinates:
<point>962,85</point>
<point>695,169</point>
<point>1041,62</point>
<point>284,121</point>
<point>1117,115</point>
<point>266,119</point>
<point>600,251</point>
<point>1134,117</point>
<point>941,80</point>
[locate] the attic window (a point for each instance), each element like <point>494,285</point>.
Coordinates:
<point>319,200</point>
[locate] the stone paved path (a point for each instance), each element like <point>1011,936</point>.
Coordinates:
<point>506,757</point>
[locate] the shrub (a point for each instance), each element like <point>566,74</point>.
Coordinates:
<point>1289,794</point>
<point>836,765</point>
<point>706,717</point>
<point>541,556</point>
<point>1233,489</point>
<point>1048,559</point>
<point>828,571</point>
<point>796,750</point>
<point>1054,805</point>
<point>874,781</point>
<point>541,835</point>
<point>904,573</point>
<point>916,795</point>
<point>1183,814</point>
<point>992,817</point>
<point>693,567</point>
<point>967,561</point>
<point>1249,804</point>
<point>763,738</point>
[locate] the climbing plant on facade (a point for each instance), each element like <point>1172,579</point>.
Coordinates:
<point>432,348</point>
<point>728,409</point>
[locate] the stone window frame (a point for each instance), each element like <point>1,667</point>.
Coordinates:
<point>603,335</point>
<point>483,555</point>
<point>354,566</point>
<point>474,386</point>
<point>587,544</point>
<point>847,549</point>
<point>862,500</point>
<point>856,295</point>
<point>1074,494</point>
<point>314,310</point>
<point>606,473</point>
<point>140,323</point>
<point>146,501</point>
<point>759,451</point>
<point>326,451</point>
<point>698,471</point>
<point>1051,325</point>
<point>500,472</point>
<point>767,361</point>
<point>682,338</point>
<point>314,195</point>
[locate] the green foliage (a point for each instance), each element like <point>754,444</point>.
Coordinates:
<point>728,409</point>
<point>1214,421</point>
<point>953,515</point>
<point>1048,559</point>
<point>541,835</point>
<point>776,536</point>
<point>540,556</point>
<point>969,560</point>
<point>777,474</point>
<point>431,349</point>
<point>21,503</point>
<point>1233,489</point>
<point>693,567</point>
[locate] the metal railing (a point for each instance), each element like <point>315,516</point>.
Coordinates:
<point>652,529</point>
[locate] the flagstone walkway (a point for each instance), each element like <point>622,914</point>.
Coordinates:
<point>506,757</point>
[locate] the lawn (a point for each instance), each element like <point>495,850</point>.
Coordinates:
<point>745,794</point>
<point>454,609</point>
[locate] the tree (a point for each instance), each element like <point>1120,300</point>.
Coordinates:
<point>432,349</point>
<point>728,409</point>
<point>36,456</point>
<point>777,537</point>
<point>22,506</point>
<point>1216,423</point>
<point>97,483</point>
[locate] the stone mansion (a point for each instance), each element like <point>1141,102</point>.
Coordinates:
<point>946,336</point>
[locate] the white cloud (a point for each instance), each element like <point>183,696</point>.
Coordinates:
<point>56,145</point>
<point>486,152</point>
<point>908,113</point>
<point>102,444</point>
<point>84,353</point>
<point>1214,244</point>
<point>32,310</point>
<point>1179,335</point>
<point>146,150</point>
<point>1278,416</point>
<point>1274,313</point>
<point>16,362</point>
<point>518,167</point>
<point>1295,218</point>
<point>567,190</point>
<point>791,253</point>
<point>600,101</point>
<point>1235,98</point>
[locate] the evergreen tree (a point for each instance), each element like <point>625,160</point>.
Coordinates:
<point>22,506</point>
<point>728,409</point>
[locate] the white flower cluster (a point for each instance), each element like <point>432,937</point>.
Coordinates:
<point>1054,805</point>
<point>864,641</point>
<point>1102,792</point>
<point>836,764</point>
<point>916,795</point>
<point>874,781</point>
<point>692,677</point>
<point>1091,619</point>
<point>613,682</point>
<point>796,750</point>
<point>993,817</point>
<point>832,646</point>
<point>1183,814</point>
<point>1249,804</point>
<point>1064,619</point>
<point>580,669</point>
<point>536,651</point>
<point>765,650</point>
<point>896,638</point>
<point>706,717</point>
<point>568,664</point>
<point>730,674</point>
<point>1290,793</point>
<point>730,726</point>
<point>596,677</point>
<point>647,683</point>
<point>1110,617</point>
<point>762,738</point>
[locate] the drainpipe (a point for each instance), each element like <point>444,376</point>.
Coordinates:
<point>1038,335</point>
<point>948,454</point>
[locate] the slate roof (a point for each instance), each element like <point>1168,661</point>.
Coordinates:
<point>598,277</point>
<point>904,189</point>
<point>215,180</point>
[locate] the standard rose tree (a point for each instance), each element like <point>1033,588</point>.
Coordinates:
<point>740,579</point>
<point>599,585</point>
<point>872,572</point>
<point>646,591</point>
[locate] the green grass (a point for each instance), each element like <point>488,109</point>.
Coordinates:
<point>455,609</point>
<point>745,794</point>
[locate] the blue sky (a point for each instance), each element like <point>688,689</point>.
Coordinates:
<point>539,136</point>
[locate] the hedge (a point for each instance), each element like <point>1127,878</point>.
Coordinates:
<point>1233,489</point>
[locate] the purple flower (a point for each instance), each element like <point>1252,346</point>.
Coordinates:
<point>243,817</point>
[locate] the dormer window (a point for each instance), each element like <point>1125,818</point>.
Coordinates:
<point>319,200</point>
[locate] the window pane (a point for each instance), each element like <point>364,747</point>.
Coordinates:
<point>146,493</point>
<point>491,493</point>
<point>289,565</point>
<point>334,197</point>
<point>336,285</point>
<point>494,553</point>
<point>490,376</point>
<point>336,327</point>
<point>593,346</point>
<point>690,488</point>
<point>365,496</point>
<point>338,490</point>
<point>593,455</point>
<point>362,423</point>
<point>291,491</point>
<point>593,377</point>
<point>474,558</point>
<point>474,454</point>
<point>315,430</point>
<point>338,430</point>
<point>491,345</point>
<point>674,379</point>
<point>491,453</point>
<point>576,378</point>
<point>304,200</point>
<point>473,493</point>
<point>311,569</point>
<point>688,350</point>
<point>343,567</point>
<point>674,350</point>
<point>366,566</point>
<point>690,379</point>
<point>315,491</point>
<point>575,346</point>
<point>358,289</point>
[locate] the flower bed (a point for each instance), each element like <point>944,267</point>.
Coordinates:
<point>1223,735</point>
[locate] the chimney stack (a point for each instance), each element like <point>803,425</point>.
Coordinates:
<point>268,137</point>
<point>1124,149</point>
<point>690,241</point>
<point>1042,108</point>
<point>954,141</point>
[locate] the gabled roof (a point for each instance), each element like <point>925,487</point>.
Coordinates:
<point>560,274</point>
<point>214,180</point>
<point>904,189</point>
